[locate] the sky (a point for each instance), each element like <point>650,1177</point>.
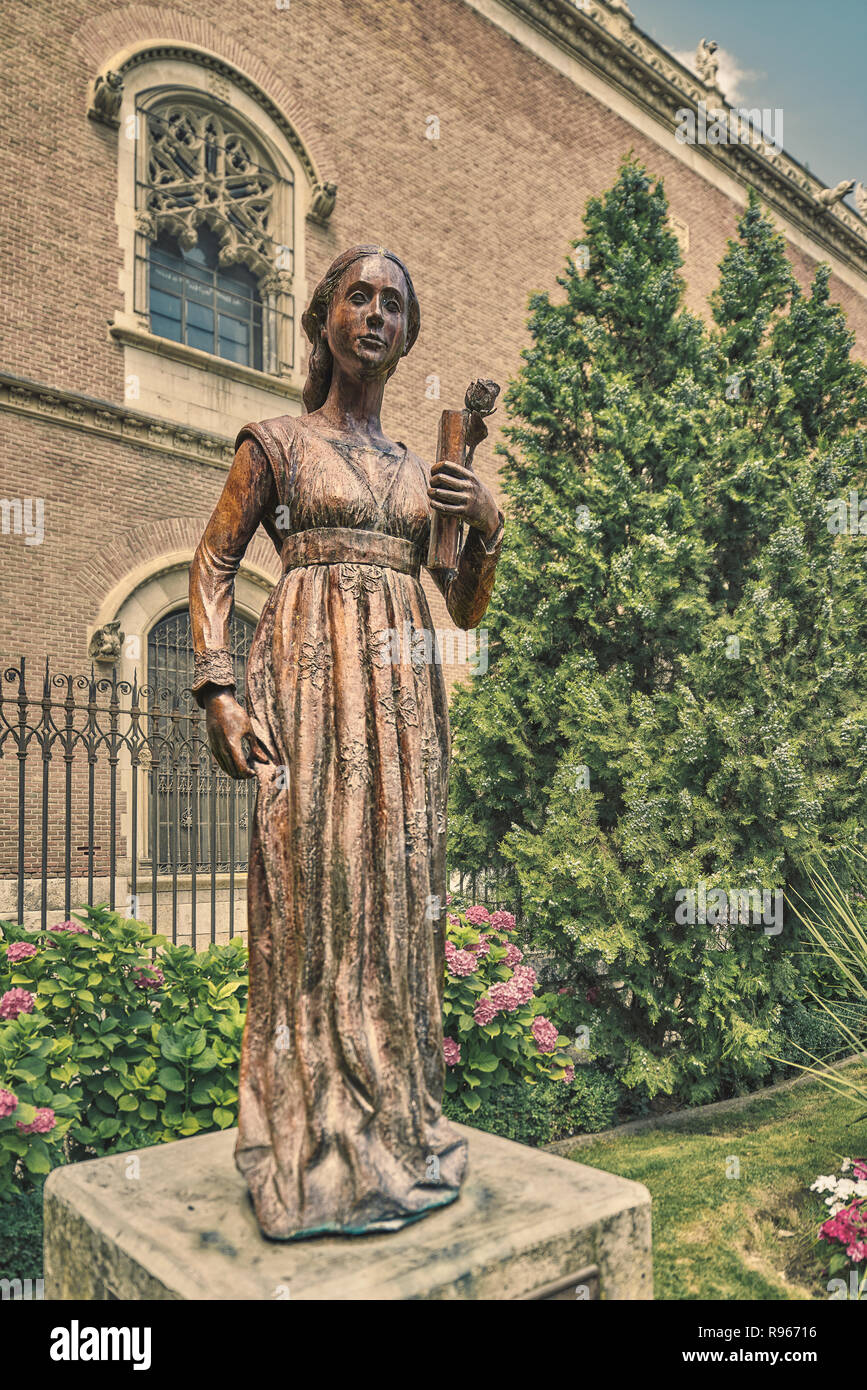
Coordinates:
<point>806,57</point>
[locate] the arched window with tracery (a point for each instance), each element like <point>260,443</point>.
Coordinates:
<point>216,220</point>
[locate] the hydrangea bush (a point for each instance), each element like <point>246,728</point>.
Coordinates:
<point>102,1048</point>
<point>495,1029</point>
<point>845,1229</point>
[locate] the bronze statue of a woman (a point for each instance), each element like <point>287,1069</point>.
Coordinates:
<point>342,1070</point>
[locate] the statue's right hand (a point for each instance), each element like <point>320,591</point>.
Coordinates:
<point>228,724</point>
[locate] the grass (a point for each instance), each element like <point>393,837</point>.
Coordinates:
<point>754,1236</point>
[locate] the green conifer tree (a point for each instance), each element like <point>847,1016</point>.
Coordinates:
<point>676,689</point>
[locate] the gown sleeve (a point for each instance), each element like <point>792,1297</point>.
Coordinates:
<point>249,498</point>
<point>467,590</point>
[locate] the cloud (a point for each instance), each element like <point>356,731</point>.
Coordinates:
<point>731,77</point>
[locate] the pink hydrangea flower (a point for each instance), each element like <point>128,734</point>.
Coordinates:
<point>448,898</point>
<point>453,918</point>
<point>570,1073</point>
<point>545,1034</point>
<point>20,950</point>
<point>16,1001</point>
<point>460,963</point>
<point>451,1052</point>
<point>71,927</point>
<point>42,1122</point>
<point>485,1012</point>
<point>524,979</point>
<point>504,997</point>
<point>482,947</point>
<point>8,1103</point>
<point>859,1172</point>
<point>503,921</point>
<point>463,963</point>
<point>477,916</point>
<point>149,979</point>
<point>514,955</point>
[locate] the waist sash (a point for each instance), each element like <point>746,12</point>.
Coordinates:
<point>334,545</point>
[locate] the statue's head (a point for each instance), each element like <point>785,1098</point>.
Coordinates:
<point>363,315</point>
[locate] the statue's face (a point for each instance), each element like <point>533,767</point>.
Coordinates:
<point>367,318</point>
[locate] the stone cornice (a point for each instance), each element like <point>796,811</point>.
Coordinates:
<point>72,410</point>
<point>604,38</point>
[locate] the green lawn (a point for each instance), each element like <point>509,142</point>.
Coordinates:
<point>723,1238</point>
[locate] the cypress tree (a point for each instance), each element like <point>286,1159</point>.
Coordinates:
<point>675,696</point>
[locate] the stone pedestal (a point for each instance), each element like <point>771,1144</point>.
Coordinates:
<point>175,1222</point>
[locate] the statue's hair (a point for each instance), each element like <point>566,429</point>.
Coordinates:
<point>320,365</point>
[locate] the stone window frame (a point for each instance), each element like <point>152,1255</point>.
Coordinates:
<point>266,249</point>
<point>152,79</point>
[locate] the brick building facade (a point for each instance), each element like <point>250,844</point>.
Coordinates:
<point>466,135</point>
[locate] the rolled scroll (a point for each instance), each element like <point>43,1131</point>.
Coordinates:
<point>460,431</point>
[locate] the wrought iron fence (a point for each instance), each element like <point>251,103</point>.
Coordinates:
<point>109,793</point>
<point>126,769</point>
<point>492,887</point>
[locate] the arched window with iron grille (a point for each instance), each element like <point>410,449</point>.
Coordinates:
<point>201,821</point>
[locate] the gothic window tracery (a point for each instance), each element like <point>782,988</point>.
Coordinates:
<point>209,200</point>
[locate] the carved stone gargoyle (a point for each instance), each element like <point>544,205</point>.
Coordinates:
<point>106,642</point>
<point>829,197</point>
<point>106,99</point>
<point>322,204</point>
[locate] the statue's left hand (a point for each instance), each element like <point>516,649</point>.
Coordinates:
<point>458,491</point>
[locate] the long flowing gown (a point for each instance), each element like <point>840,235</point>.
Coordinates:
<point>342,1070</point>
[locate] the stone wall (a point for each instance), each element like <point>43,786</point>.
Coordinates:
<point>482,215</point>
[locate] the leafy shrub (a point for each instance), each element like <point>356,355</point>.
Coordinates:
<point>21,1234</point>
<point>36,1108</point>
<point>495,1029</point>
<point>547,1111</point>
<point>112,1039</point>
<point>837,931</point>
<point>103,1048</point>
<point>678,654</point>
<point>806,1029</point>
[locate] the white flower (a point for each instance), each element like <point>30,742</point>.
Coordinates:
<point>823,1184</point>
<point>845,1165</point>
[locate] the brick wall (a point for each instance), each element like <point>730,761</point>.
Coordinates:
<point>482,216</point>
